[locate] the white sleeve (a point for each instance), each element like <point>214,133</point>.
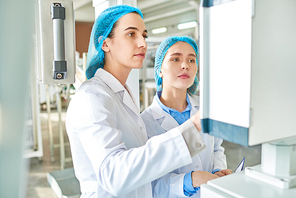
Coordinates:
<point>192,138</point>
<point>219,156</point>
<point>97,141</point>
<point>169,185</point>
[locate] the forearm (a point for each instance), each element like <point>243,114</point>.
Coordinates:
<point>219,156</point>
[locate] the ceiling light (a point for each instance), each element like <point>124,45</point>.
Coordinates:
<point>159,30</point>
<point>187,25</point>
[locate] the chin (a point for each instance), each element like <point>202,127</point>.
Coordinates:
<point>184,87</point>
<point>138,66</point>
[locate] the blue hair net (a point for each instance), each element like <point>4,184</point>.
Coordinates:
<point>160,54</point>
<point>100,31</point>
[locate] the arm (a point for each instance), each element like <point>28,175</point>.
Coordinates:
<point>173,183</point>
<point>193,138</point>
<point>170,184</point>
<point>106,152</point>
<point>220,159</point>
<point>181,185</point>
<point>219,156</point>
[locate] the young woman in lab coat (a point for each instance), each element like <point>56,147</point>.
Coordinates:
<point>112,156</point>
<point>175,75</point>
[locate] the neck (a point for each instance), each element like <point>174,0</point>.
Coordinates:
<point>175,99</point>
<point>120,73</point>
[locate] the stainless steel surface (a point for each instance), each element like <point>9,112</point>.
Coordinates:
<point>58,38</point>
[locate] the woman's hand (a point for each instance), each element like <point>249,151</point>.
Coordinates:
<point>201,177</point>
<point>196,121</point>
<point>224,172</point>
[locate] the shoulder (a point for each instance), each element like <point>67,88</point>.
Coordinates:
<point>147,115</point>
<point>194,99</point>
<point>152,126</point>
<point>93,94</point>
<point>91,102</point>
<point>94,86</point>
<point>94,89</point>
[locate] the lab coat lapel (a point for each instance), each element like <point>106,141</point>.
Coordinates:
<point>129,101</point>
<point>158,113</point>
<point>116,87</point>
<point>168,121</point>
<point>194,104</point>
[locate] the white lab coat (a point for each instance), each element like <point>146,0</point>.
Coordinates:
<point>110,152</point>
<point>171,185</point>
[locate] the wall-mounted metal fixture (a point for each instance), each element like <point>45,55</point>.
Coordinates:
<point>58,16</point>
<point>55,44</point>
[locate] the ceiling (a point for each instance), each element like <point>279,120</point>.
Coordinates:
<point>157,13</point>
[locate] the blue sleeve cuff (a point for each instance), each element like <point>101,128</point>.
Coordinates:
<point>216,170</point>
<point>188,189</point>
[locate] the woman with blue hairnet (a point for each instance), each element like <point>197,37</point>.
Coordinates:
<point>175,71</point>
<point>112,156</point>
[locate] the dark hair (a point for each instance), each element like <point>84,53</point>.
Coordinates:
<point>112,31</point>
<point>114,26</point>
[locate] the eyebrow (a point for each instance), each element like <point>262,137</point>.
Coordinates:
<point>179,54</point>
<point>134,28</point>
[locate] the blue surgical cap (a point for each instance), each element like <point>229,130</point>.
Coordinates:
<point>100,31</point>
<point>160,54</point>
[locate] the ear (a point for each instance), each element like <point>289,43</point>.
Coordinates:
<point>160,74</point>
<point>105,46</point>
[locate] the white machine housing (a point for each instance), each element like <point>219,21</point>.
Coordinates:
<point>248,90</point>
<point>247,58</point>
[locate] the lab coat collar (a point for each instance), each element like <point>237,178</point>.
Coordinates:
<point>127,97</point>
<point>168,122</point>
<point>110,80</point>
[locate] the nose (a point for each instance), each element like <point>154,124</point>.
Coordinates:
<point>184,65</point>
<point>142,43</point>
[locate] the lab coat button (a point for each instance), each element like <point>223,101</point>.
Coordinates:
<point>141,128</point>
<point>197,144</point>
<point>196,166</point>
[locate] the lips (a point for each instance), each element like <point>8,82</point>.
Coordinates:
<point>184,76</point>
<point>140,55</point>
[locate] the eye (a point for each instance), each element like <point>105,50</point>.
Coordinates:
<point>131,34</point>
<point>175,59</point>
<point>191,61</point>
<point>145,36</point>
